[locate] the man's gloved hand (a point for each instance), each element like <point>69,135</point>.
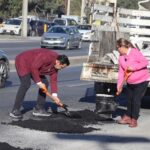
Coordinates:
<point>57,101</point>
<point>42,86</point>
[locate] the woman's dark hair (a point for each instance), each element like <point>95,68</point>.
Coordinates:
<point>124,43</point>
<point>63,59</point>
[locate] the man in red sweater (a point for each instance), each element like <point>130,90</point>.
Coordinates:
<point>35,64</point>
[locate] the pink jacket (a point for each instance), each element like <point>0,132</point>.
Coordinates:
<point>138,63</point>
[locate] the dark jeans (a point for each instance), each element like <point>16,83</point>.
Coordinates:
<point>24,86</point>
<point>135,93</point>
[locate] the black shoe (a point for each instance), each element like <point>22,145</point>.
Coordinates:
<point>40,112</point>
<point>16,114</point>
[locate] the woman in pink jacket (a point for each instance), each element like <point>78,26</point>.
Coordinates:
<point>132,70</point>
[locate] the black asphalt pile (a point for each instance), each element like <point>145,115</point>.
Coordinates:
<point>5,146</point>
<point>60,123</point>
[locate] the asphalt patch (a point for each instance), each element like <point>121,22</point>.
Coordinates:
<point>77,122</point>
<point>5,146</point>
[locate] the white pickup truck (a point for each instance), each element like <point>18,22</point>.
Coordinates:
<point>102,64</point>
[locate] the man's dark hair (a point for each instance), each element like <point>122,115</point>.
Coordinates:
<point>63,59</point>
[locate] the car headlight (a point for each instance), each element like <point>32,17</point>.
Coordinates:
<point>62,39</point>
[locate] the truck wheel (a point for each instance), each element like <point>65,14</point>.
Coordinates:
<point>3,73</point>
<point>43,47</point>
<point>11,33</point>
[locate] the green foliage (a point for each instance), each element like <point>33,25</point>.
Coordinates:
<point>75,8</point>
<point>130,4</point>
<point>13,8</point>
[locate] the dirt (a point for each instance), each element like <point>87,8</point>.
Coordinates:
<point>60,123</point>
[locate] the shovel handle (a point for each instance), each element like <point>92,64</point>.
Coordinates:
<point>51,97</point>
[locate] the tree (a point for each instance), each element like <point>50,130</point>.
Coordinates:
<point>75,8</point>
<point>130,4</point>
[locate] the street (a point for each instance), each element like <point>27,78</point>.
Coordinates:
<point>71,89</point>
<point>78,95</point>
<point>12,48</point>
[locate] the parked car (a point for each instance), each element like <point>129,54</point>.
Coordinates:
<point>1,28</point>
<point>30,17</point>
<point>37,27</point>
<point>13,26</point>
<point>86,31</point>
<point>65,21</point>
<point>4,68</point>
<point>65,37</point>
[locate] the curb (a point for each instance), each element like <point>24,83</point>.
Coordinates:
<point>11,38</point>
<point>74,61</point>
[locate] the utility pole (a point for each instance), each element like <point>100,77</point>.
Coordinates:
<point>68,7</point>
<point>82,10</point>
<point>24,18</point>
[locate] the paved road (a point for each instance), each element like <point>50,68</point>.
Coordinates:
<point>15,46</point>
<point>111,136</point>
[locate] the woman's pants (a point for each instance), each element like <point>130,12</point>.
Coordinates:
<point>135,93</point>
<point>24,86</point>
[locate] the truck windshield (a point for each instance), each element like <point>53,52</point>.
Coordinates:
<point>13,22</point>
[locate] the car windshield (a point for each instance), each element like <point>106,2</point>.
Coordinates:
<point>57,30</point>
<point>13,22</point>
<point>84,27</point>
<point>60,22</point>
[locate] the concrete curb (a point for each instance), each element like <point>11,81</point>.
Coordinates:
<point>76,60</point>
<point>12,38</point>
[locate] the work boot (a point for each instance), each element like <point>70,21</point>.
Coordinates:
<point>125,120</point>
<point>133,123</point>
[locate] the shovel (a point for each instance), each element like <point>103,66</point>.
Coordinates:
<point>126,76</point>
<point>67,113</point>
<point>64,106</point>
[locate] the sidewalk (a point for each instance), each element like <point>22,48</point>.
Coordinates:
<point>15,37</point>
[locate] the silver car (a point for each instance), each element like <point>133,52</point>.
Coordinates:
<point>65,37</point>
<point>4,68</point>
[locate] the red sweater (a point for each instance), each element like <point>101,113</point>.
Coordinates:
<point>38,62</point>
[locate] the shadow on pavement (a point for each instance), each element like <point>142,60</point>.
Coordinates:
<point>104,138</point>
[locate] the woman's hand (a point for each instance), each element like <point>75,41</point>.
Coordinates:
<point>127,73</point>
<point>129,69</point>
<point>119,90</point>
